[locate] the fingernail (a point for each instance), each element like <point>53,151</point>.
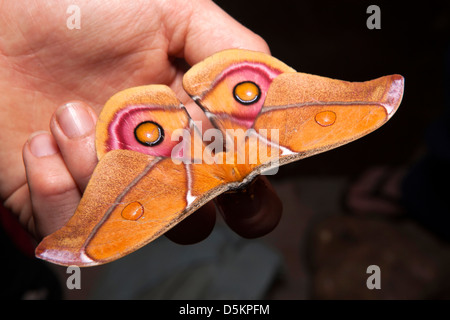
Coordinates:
<point>41,144</point>
<point>74,120</point>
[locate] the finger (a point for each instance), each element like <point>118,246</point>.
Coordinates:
<point>211,30</point>
<point>54,193</point>
<point>196,227</point>
<point>73,127</point>
<point>251,212</point>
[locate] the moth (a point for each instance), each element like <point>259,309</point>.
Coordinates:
<point>156,166</point>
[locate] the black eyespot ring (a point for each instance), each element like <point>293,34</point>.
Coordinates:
<point>240,99</point>
<point>140,133</point>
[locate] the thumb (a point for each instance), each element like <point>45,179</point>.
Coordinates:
<point>211,29</point>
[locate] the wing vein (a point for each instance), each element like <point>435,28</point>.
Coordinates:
<point>119,199</point>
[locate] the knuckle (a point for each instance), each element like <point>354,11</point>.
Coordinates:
<point>52,185</point>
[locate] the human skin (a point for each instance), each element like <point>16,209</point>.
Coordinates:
<point>54,82</point>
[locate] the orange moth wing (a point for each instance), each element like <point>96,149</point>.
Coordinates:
<point>140,187</point>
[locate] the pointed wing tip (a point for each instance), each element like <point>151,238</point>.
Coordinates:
<point>394,94</point>
<point>64,257</point>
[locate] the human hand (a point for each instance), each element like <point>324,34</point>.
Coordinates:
<point>120,44</point>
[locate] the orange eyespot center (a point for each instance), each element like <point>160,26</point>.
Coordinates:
<point>325,118</point>
<point>133,211</point>
<point>149,133</point>
<point>247,92</point>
